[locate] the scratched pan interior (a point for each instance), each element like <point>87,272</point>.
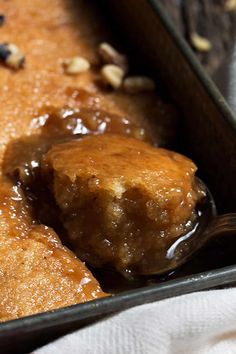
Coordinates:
<point>209,136</point>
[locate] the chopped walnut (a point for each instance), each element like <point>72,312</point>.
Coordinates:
<point>76,65</point>
<point>112,75</point>
<point>11,55</point>
<point>201,44</point>
<point>110,55</point>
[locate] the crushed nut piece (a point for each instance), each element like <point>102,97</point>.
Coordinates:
<point>11,55</point>
<point>230,5</point>
<point>110,55</point>
<point>138,84</point>
<point>200,43</point>
<point>112,75</point>
<point>76,65</point>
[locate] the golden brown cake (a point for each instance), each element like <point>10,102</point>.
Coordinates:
<point>122,201</point>
<point>37,273</point>
<point>48,33</point>
<point>114,195</point>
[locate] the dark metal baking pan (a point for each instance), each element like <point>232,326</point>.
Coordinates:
<point>209,129</point>
<point>20,336</point>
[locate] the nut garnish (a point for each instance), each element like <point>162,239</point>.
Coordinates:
<point>110,55</point>
<point>138,84</point>
<point>230,5</point>
<point>112,75</point>
<point>201,44</point>
<point>76,65</point>
<point>11,55</point>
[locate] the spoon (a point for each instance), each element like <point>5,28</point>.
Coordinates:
<point>209,226</point>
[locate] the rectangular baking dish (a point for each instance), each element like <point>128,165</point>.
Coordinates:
<point>209,133</point>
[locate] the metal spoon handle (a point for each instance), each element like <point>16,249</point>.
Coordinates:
<point>221,225</point>
<point>184,248</point>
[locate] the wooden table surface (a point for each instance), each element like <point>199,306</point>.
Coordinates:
<point>214,20</point>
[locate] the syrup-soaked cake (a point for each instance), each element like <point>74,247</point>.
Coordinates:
<point>122,201</point>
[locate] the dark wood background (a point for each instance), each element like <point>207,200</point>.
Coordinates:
<point>211,19</point>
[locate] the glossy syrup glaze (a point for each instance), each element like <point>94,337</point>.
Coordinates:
<point>48,33</point>
<point>22,157</point>
<point>37,272</point>
<point>43,107</point>
<point>122,202</point>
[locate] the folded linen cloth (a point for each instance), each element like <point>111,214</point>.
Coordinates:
<point>203,322</point>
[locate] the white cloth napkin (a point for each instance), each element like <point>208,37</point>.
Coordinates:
<point>203,322</point>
